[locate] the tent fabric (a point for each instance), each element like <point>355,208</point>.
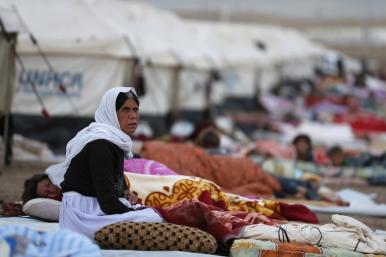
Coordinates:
<point>277,43</point>
<point>72,29</point>
<point>85,80</point>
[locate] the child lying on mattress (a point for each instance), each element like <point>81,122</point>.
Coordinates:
<point>40,186</point>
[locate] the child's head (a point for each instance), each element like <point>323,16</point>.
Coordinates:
<point>40,186</point>
<point>336,155</point>
<point>208,138</point>
<point>302,144</point>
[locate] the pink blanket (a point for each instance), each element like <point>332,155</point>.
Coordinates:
<point>149,167</point>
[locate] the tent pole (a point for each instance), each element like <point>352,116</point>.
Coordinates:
<point>9,94</point>
<point>174,97</point>
<point>6,139</point>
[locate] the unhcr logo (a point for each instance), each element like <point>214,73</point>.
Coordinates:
<point>48,83</point>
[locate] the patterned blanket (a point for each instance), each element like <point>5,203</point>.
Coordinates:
<point>164,191</point>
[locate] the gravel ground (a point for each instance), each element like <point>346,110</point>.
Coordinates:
<point>13,177</point>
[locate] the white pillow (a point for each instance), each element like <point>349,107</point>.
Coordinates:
<point>43,208</point>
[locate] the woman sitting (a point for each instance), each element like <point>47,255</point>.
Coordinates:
<point>91,176</point>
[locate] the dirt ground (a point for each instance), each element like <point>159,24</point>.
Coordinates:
<point>13,177</point>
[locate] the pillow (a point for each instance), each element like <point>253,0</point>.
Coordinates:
<point>155,236</point>
<point>43,208</point>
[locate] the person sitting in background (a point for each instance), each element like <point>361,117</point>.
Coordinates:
<point>303,148</point>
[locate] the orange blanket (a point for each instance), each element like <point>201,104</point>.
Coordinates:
<point>235,175</point>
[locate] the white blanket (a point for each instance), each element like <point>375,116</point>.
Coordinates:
<point>360,203</point>
<point>345,232</point>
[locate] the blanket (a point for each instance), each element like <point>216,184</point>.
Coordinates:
<point>254,247</point>
<point>235,175</point>
<point>143,166</point>
<point>23,241</point>
<point>344,232</point>
<point>164,191</point>
<point>223,225</point>
<point>53,228</point>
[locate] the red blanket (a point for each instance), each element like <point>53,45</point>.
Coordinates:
<point>222,224</point>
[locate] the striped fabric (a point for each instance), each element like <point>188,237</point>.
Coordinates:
<point>33,243</point>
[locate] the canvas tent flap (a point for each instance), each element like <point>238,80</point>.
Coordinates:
<point>136,23</point>
<point>86,80</point>
<point>87,56</point>
<point>10,19</point>
<point>67,27</point>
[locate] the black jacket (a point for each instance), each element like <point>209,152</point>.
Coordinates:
<point>97,171</point>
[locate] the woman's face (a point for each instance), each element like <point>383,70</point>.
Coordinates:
<point>128,116</point>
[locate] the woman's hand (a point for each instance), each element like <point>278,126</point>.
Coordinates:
<point>131,197</point>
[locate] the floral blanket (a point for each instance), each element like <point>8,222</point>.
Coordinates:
<point>164,191</point>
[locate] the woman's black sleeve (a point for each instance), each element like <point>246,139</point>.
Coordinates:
<point>102,162</point>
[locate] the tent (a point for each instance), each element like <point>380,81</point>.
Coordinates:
<point>91,45</point>
<point>258,57</point>
<point>101,37</point>
<point>166,54</point>
<point>7,73</point>
<point>84,54</point>
<point>72,51</point>
<point>68,58</point>
<point>84,47</point>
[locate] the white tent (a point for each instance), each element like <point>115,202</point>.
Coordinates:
<point>91,45</point>
<point>166,49</point>
<point>86,55</point>
<point>260,55</point>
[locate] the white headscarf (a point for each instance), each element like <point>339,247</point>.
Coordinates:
<point>106,126</point>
